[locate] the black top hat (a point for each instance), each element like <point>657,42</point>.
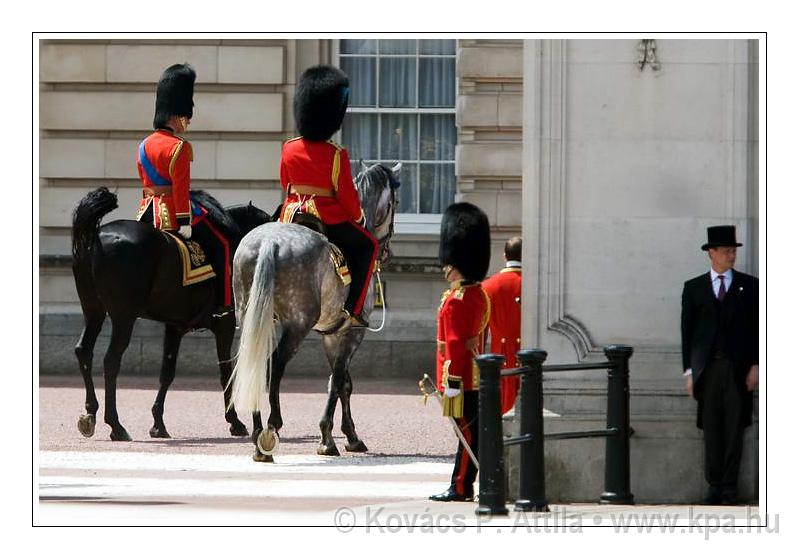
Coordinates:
<point>320,102</point>
<point>465,242</point>
<point>721,236</point>
<point>174,94</point>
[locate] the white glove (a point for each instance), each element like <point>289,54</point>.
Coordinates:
<point>451,392</point>
<point>185,231</point>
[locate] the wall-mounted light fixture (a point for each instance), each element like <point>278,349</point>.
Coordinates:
<point>647,54</point>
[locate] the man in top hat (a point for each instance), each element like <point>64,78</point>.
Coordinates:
<point>719,333</point>
<point>315,173</point>
<point>464,251</point>
<point>505,294</point>
<point>163,162</point>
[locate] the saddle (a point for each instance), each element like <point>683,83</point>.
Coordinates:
<point>337,257</point>
<point>194,263</point>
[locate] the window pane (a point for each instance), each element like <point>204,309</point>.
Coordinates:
<point>358,46</point>
<point>437,137</point>
<point>398,82</point>
<point>437,46</point>
<point>360,135</point>
<point>437,187</point>
<point>399,137</point>
<point>437,82</point>
<point>361,72</point>
<point>407,197</point>
<point>398,46</point>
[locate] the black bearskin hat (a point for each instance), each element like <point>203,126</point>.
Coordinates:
<point>320,102</point>
<point>174,94</point>
<point>465,240</point>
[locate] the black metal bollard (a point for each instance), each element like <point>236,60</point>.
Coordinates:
<point>531,422</point>
<point>491,475</point>
<point>618,450</point>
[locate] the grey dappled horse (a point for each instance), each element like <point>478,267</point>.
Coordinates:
<point>284,271</point>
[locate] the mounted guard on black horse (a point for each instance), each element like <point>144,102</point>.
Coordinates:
<point>160,266</point>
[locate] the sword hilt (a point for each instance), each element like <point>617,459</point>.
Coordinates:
<point>425,394</point>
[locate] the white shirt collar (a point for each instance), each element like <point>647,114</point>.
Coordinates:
<point>513,264</point>
<point>728,274</point>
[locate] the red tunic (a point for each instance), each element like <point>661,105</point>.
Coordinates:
<point>165,177</point>
<point>463,316</point>
<point>322,165</point>
<point>505,292</point>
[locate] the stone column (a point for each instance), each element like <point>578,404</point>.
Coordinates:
<point>489,121</point>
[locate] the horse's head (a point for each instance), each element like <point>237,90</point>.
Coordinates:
<point>377,187</point>
<point>247,216</point>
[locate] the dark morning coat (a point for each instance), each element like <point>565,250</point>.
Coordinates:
<point>701,316</point>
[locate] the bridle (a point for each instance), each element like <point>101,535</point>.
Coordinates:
<point>384,241</point>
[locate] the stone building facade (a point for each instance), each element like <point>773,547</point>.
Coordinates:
<point>610,157</point>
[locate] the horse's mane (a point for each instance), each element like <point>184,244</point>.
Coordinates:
<point>365,182</point>
<point>217,213</point>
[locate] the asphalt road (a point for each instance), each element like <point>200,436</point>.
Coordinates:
<point>389,417</point>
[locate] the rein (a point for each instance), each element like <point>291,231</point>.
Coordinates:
<point>384,254</point>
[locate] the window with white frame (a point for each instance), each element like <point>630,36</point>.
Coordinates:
<point>402,108</point>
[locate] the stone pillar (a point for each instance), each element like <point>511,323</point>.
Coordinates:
<point>489,121</point>
<point>624,166</point>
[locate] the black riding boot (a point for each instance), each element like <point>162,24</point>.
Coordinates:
<point>360,249</point>
<point>215,251</point>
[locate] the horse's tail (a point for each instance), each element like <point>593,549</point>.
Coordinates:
<point>257,336</point>
<point>86,220</point>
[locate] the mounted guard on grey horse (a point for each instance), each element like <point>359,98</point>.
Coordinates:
<point>286,278</point>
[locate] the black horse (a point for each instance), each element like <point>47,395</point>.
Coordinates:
<point>128,269</point>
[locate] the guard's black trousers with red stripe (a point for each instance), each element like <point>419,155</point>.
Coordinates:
<point>465,471</point>
<point>360,250</point>
<point>218,253</point>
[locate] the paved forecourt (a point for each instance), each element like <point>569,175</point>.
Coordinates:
<point>203,476</point>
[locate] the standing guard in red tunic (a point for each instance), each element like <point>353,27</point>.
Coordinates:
<point>315,173</point>
<point>464,251</point>
<point>505,292</point>
<point>163,161</point>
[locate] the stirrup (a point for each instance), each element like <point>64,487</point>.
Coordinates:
<point>357,321</point>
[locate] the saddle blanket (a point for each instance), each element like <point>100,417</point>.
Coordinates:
<point>194,265</point>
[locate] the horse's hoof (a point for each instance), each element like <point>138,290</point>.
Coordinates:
<point>267,441</point>
<point>328,450</point>
<point>259,457</point>
<point>86,424</point>
<point>159,433</point>
<point>120,435</point>
<point>256,433</point>
<point>239,430</point>
<point>357,447</point>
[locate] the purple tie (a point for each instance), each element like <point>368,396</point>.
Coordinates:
<point>721,293</point>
